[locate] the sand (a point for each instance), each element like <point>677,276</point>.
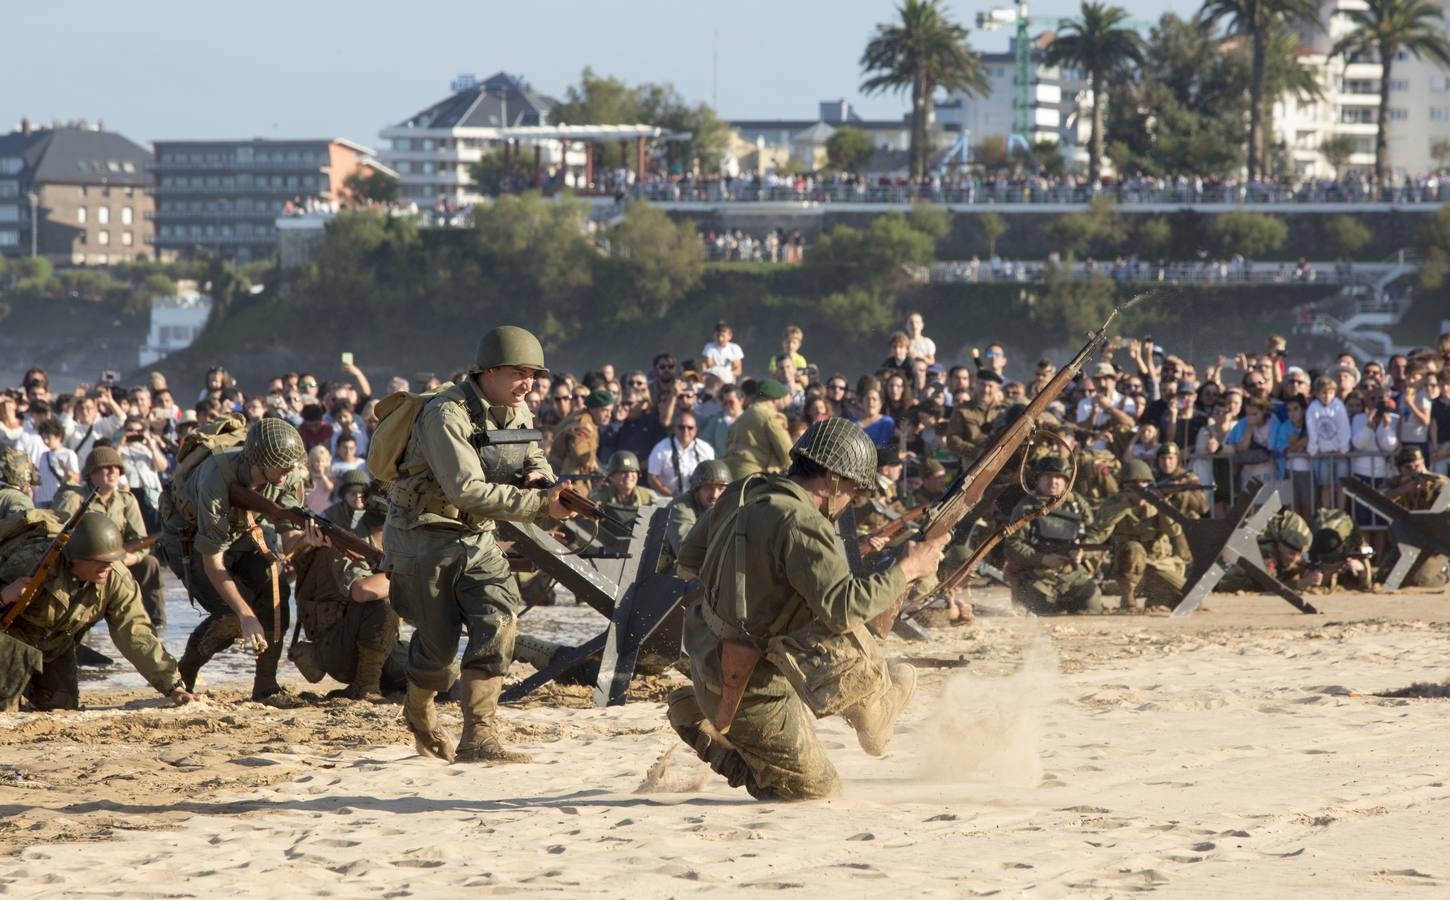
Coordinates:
<point>1240,751</point>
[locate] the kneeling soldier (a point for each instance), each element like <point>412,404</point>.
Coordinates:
<point>1047,572</point>
<point>88,585</point>
<point>17,478</point>
<point>780,629</point>
<point>1150,553</point>
<point>103,470</point>
<point>707,483</point>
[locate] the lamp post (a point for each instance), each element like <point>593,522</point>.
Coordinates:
<point>34,221</point>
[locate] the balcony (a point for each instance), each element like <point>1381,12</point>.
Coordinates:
<point>259,215</point>
<point>237,166</point>
<point>172,190</point>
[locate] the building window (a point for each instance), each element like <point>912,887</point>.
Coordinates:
<point>127,239</point>
<point>1439,114</point>
<point>128,215</point>
<point>103,215</point>
<point>81,213</point>
<point>103,238</point>
<point>9,188</point>
<point>9,238</point>
<point>1399,84</point>
<point>1398,114</point>
<point>11,165</point>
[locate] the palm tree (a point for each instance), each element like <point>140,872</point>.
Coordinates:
<point>922,52</point>
<point>1096,43</point>
<point>1383,29</point>
<point>1256,20</point>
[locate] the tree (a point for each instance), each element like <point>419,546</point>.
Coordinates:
<point>1256,20</point>
<point>848,149</point>
<point>993,227</point>
<point>498,172</point>
<point>1097,43</point>
<point>1069,305</point>
<point>1100,230</point>
<point>1337,149</point>
<point>601,100</point>
<point>1383,30</point>
<point>657,259</point>
<point>1433,240</point>
<point>1440,152</point>
<point>1155,236</point>
<point>1047,155</point>
<point>1246,234</point>
<point>990,153</point>
<point>930,219</point>
<point>1347,235</point>
<point>920,53</point>
<point>876,258</point>
<point>371,186</point>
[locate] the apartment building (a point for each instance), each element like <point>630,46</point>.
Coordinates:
<point>75,194</point>
<point>224,197</point>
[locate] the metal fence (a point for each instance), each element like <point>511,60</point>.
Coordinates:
<point>1304,483</point>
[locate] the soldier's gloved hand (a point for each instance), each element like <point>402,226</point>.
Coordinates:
<point>923,557</point>
<point>252,634</point>
<point>557,510</point>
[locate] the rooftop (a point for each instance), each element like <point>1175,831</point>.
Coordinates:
<point>78,154</point>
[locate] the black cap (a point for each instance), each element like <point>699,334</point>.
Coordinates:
<point>989,375</point>
<point>887,456</point>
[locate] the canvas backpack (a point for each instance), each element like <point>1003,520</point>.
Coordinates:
<point>222,433</point>
<point>396,414</point>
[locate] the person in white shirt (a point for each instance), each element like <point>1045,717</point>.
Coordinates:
<point>921,346</point>
<point>723,357</point>
<point>1103,406</point>
<point>87,425</point>
<point>674,458</point>
<point>1326,422</point>
<point>14,434</point>
<point>58,465</point>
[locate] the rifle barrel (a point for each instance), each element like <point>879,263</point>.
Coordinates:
<point>41,570</point>
<point>341,538</point>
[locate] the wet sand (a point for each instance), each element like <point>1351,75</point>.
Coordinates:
<point>1240,750</point>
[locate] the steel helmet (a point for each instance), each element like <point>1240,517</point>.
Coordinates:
<point>1052,464</point>
<point>1136,471</point>
<point>102,458</point>
<point>623,461</point>
<point>841,447</point>
<point>16,469</point>
<point>711,471</point>
<point>510,345</point>
<point>273,444</point>
<point>96,537</point>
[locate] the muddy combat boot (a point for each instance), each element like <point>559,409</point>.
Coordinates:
<point>875,719</point>
<point>1130,604</point>
<point>212,636</point>
<point>265,688</point>
<point>478,698</point>
<point>366,683</point>
<point>691,725</point>
<point>421,717</point>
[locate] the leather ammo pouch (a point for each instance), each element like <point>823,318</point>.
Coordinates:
<point>830,671</point>
<point>738,660</point>
<point>738,655</point>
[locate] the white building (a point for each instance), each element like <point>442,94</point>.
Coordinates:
<point>175,322</point>
<point>1055,98</point>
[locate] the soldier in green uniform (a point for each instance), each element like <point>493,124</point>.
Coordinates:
<point>1047,574</point>
<point>759,441</point>
<point>455,479</point>
<point>1282,543</point>
<point>971,423</point>
<point>621,489</point>
<point>707,483</point>
<point>215,550</point>
<point>1415,488</point>
<point>87,585</point>
<point>103,470</point>
<point>351,630</point>
<point>787,591</point>
<point>17,477</point>
<point>1150,554</point>
<point>575,450</point>
<point>1192,503</point>
<point>1338,554</point>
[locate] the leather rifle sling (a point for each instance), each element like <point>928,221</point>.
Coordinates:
<point>260,540</point>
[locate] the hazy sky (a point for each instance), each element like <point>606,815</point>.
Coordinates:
<point>321,68</point>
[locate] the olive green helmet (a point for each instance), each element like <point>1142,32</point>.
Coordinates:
<point>841,447</point>
<point>1052,464</point>
<point>711,471</point>
<point>510,345</point>
<point>16,469</point>
<point>1135,471</point>
<point>273,444</point>
<point>96,537</point>
<point>355,478</point>
<point>623,461</point>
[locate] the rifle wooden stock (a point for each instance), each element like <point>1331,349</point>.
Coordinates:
<point>580,505</point>
<point>342,539</point>
<point>41,570</point>
<point>891,529</point>
<point>967,490</point>
<point>144,543</point>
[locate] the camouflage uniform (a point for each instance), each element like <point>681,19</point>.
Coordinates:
<point>1150,554</point>
<point>123,509</point>
<point>1045,590</point>
<point>16,476</point>
<point>1287,528</point>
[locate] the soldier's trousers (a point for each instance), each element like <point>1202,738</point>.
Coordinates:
<point>373,625</point>
<point>444,582</point>
<point>57,685</point>
<point>1074,593</point>
<point>1157,583</point>
<point>250,571</point>
<point>147,573</point>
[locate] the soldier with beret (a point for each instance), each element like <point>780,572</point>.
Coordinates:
<point>759,440</point>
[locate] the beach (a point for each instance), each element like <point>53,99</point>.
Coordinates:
<point>1241,750</point>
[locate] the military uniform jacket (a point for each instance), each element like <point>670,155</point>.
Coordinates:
<point>325,577</point>
<point>1427,488</point>
<point>968,428</point>
<point>1025,551</point>
<point>121,509</point>
<point>13,501</point>
<point>66,607</point>
<point>1121,520</point>
<point>218,526</point>
<point>605,495</point>
<point>1191,503</point>
<point>794,574</point>
<point>442,479</point>
<point>575,449</point>
<point>682,514</point>
<point>758,442</point>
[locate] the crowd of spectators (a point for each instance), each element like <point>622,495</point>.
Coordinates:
<point>1256,414</point>
<point>776,246</point>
